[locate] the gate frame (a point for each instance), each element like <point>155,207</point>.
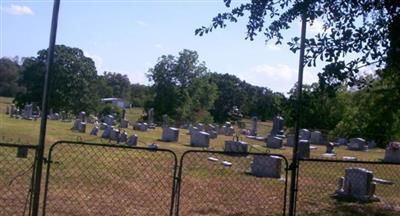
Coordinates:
<point>228,153</point>
<point>117,146</point>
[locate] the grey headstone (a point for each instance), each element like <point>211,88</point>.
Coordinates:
<point>124,123</point>
<point>229,131</point>
<point>170,134</point>
<point>316,138</point>
<point>200,139</point>
<point>132,140</point>
<point>107,132</point>
<point>253,131</point>
<point>330,148</point>
<point>274,142</point>
<point>304,134</point>
<point>304,149</point>
<point>357,144</point>
<point>236,146</point>
<point>341,141</point>
<point>150,116</point>
<point>290,140</point>
<point>114,134</point>
<point>358,184</point>
<point>392,153</point>
<point>103,126</point>
<point>94,131</point>
<point>123,136</point>
<point>109,119</point>
<point>266,166</point>
<point>277,126</point>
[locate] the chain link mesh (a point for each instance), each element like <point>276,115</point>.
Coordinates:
<point>318,182</point>
<point>208,187</point>
<point>109,180</point>
<point>16,169</point>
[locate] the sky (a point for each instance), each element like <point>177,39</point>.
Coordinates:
<point>128,36</point>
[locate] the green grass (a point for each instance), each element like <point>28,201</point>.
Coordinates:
<point>81,169</point>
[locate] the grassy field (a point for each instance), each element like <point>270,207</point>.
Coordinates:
<point>91,180</point>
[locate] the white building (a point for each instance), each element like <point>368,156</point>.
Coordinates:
<point>116,102</point>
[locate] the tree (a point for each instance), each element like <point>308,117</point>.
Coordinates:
<point>367,27</point>
<point>9,74</point>
<point>140,95</point>
<point>72,82</point>
<point>180,86</point>
<point>119,84</point>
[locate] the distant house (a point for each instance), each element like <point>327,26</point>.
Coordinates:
<point>116,102</point>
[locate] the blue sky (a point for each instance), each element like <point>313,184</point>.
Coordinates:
<point>128,37</point>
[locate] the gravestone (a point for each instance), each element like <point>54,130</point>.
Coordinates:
<point>109,119</point>
<point>150,116</point>
<point>236,146</point>
<point>123,136</point>
<point>94,131</point>
<point>330,148</point>
<point>192,129</point>
<point>222,130</point>
<point>290,140</point>
<point>140,126</point>
<point>170,134</point>
<point>64,116</point>
<point>132,140</point>
<point>277,126</point>
<point>357,184</point>
<point>82,116</point>
<point>392,153</point>
<point>357,144</point>
<point>165,120</point>
<point>27,112</point>
<point>200,139</point>
<point>114,134</point>
<point>253,131</point>
<point>266,166</point>
<point>103,126</point>
<point>304,134</point>
<point>82,127</point>
<point>371,144</point>
<point>304,149</point>
<point>274,142</point>
<point>213,134</point>
<point>124,123</point>
<point>200,126</point>
<point>316,137</point>
<point>341,141</point>
<point>229,131</point>
<point>107,132</point>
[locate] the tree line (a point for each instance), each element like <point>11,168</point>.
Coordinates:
<point>187,91</point>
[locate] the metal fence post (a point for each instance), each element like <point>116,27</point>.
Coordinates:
<point>294,165</point>
<point>43,122</point>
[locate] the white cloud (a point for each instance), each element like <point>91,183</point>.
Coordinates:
<point>18,10</point>
<point>97,60</point>
<point>279,77</point>
<point>158,46</point>
<point>316,27</point>
<point>142,23</point>
<point>273,47</point>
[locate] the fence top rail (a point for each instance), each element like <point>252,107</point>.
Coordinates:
<point>14,145</point>
<point>233,153</point>
<point>347,161</point>
<point>111,146</point>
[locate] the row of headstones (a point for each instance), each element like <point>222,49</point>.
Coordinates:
<point>29,112</point>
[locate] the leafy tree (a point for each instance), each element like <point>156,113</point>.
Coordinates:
<point>140,95</point>
<point>9,74</point>
<point>73,80</point>
<point>119,84</point>
<point>180,86</point>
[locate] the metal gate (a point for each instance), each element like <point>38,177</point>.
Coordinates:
<point>16,175</point>
<point>101,179</point>
<point>220,183</point>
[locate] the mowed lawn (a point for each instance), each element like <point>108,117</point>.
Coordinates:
<point>90,180</point>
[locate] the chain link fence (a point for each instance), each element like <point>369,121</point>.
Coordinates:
<point>16,171</point>
<point>214,183</point>
<point>319,182</point>
<point>99,179</point>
